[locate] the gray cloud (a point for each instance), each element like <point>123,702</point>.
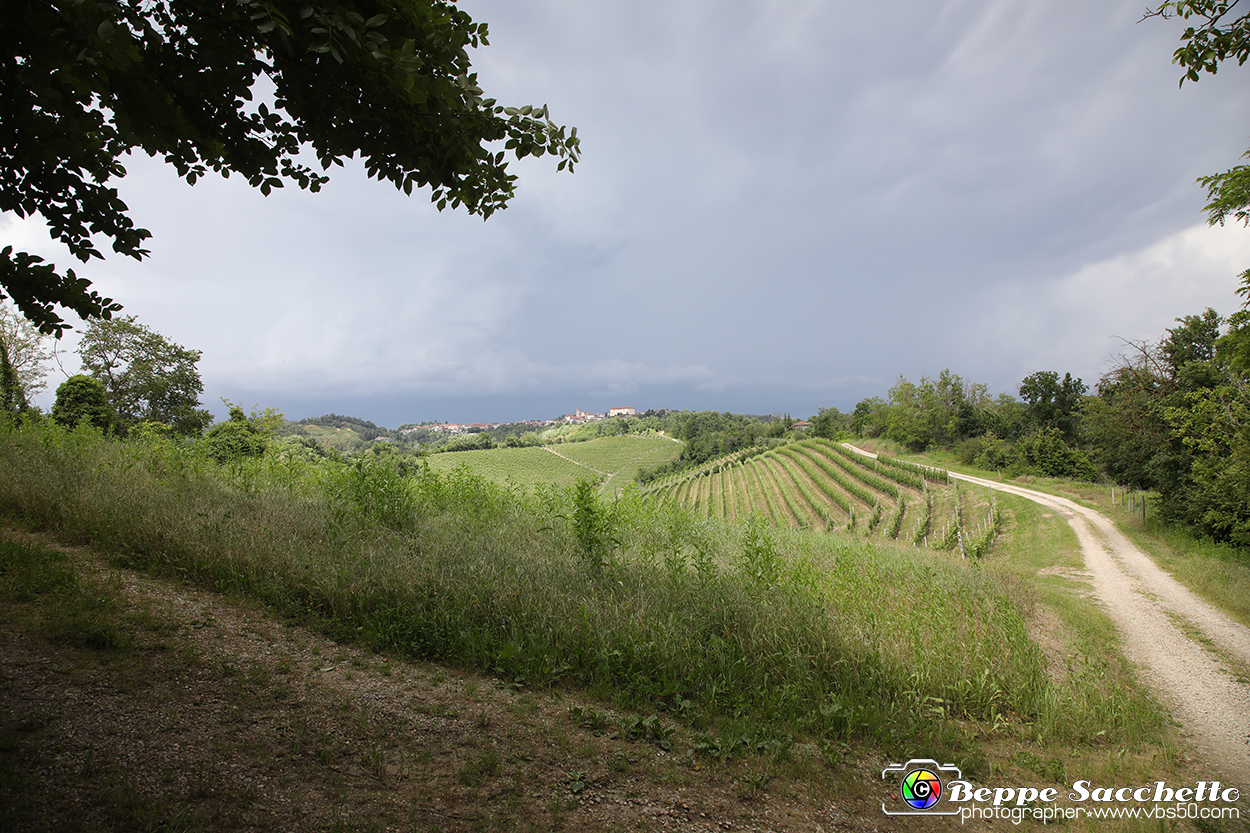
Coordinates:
<point>781,206</point>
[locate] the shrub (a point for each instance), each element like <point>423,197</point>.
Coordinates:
<point>1045,451</point>
<point>593,524</point>
<point>989,452</point>
<point>234,439</point>
<point>81,399</point>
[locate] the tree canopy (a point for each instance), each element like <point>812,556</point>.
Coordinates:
<point>146,377</point>
<point>23,352</point>
<point>84,83</point>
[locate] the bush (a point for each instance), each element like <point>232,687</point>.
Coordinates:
<point>81,399</point>
<point>988,451</point>
<point>1045,451</point>
<point>234,439</point>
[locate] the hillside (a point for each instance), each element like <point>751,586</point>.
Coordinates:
<point>610,461</point>
<point>819,484</point>
<point>201,712</point>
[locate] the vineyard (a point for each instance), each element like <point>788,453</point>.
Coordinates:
<point>611,461</point>
<point>824,485</point>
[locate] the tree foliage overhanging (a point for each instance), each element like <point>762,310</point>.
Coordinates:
<point>84,82</point>
<point>1217,33</point>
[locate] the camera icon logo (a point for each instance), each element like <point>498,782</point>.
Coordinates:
<point>921,787</point>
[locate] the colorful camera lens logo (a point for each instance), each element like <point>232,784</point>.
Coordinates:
<point>920,788</point>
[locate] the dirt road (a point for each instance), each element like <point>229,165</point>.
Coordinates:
<point>1164,627</point>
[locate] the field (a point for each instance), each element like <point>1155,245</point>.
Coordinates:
<point>610,461</point>
<point>819,484</point>
<point>333,436</point>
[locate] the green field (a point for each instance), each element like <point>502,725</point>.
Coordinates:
<point>613,461</point>
<point>333,436</point>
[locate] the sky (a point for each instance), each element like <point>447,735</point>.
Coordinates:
<point>782,205</point>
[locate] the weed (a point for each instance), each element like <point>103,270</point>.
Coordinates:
<point>754,783</point>
<point>578,782</point>
<point>592,719</point>
<point>592,524</point>
<point>760,559</point>
<point>651,730</point>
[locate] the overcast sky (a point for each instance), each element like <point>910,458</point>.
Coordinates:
<point>781,206</point>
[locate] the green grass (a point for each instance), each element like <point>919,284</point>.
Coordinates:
<point>1218,573</point>
<point>522,466</point>
<point>75,613</point>
<point>641,602</point>
<point>612,460</point>
<point>622,457</point>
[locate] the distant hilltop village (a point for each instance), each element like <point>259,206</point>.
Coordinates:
<point>577,417</point>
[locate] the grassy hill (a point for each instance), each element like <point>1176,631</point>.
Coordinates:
<point>342,437</point>
<point>820,484</point>
<point>611,460</point>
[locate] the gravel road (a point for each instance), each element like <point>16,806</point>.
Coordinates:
<point>1196,658</point>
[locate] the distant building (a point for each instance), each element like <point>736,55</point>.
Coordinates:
<point>626,411</point>
<point>801,425</point>
<point>581,416</point>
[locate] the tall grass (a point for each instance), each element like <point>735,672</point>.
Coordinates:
<point>632,598</point>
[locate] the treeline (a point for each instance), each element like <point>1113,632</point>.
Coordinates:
<point>1174,417</point>
<point>338,421</point>
<point>1038,433</point>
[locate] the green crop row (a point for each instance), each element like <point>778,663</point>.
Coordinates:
<point>804,483</point>
<point>926,520</point>
<point>923,472</point>
<point>788,490</point>
<point>838,498</point>
<point>836,473</point>
<point>859,466</point>
<point>896,520</point>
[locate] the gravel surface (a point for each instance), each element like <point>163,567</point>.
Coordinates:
<point>1188,651</point>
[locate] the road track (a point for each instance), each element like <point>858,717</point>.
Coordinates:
<point>1163,627</point>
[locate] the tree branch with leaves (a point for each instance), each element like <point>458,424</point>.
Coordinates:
<point>84,83</point>
<point>1220,32</point>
